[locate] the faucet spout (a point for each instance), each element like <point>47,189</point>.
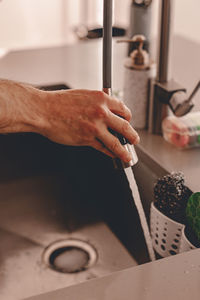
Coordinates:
<point>164,44</point>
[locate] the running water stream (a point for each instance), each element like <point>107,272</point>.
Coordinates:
<point>107,72</point>
<point>138,204</point>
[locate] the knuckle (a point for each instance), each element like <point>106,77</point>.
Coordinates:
<point>101,112</point>
<point>125,127</point>
<point>114,146</point>
<point>125,110</point>
<point>122,106</point>
<point>99,95</point>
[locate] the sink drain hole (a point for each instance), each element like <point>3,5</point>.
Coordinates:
<point>69,259</point>
<point>70,256</point>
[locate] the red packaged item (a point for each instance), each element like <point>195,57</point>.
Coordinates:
<point>183,132</point>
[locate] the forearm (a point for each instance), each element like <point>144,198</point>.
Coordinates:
<point>19,107</point>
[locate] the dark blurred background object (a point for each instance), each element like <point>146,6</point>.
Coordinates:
<point>87,30</point>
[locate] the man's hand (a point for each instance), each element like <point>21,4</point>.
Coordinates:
<point>84,117</point>
<point>72,117</point>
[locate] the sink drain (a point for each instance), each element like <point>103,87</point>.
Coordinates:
<point>70,256</point>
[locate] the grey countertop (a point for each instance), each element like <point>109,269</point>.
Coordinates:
<point>171,159</point>
<point>80,67</point>
<point>167,279</point>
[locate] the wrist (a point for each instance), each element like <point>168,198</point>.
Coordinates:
<point>20,107</point>
<point>31,110</point>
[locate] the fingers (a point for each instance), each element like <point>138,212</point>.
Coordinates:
<point>123,127</point>
<point>113,144</point>
<point>118,107</point>
<point>114,105</point>
<point>98,145</point>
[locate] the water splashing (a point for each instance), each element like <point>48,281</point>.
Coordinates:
<point>138,204</point>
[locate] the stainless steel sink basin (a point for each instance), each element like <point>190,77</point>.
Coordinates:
<point>35,212</point>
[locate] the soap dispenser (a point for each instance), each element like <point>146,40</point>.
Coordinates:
<point>138,71</point>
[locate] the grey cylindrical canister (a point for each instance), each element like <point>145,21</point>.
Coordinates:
<point>140,22</point>
<point>136,92</point>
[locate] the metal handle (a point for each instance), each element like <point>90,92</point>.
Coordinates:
<point>180,105</point>
<point>197,87</point>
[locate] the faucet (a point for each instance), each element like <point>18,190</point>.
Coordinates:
<point>166,93</point>
<point>107,80</point>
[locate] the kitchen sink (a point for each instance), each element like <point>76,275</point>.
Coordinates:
<point>52,194</point>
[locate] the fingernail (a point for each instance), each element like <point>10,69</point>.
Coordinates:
<point>128,157</point>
